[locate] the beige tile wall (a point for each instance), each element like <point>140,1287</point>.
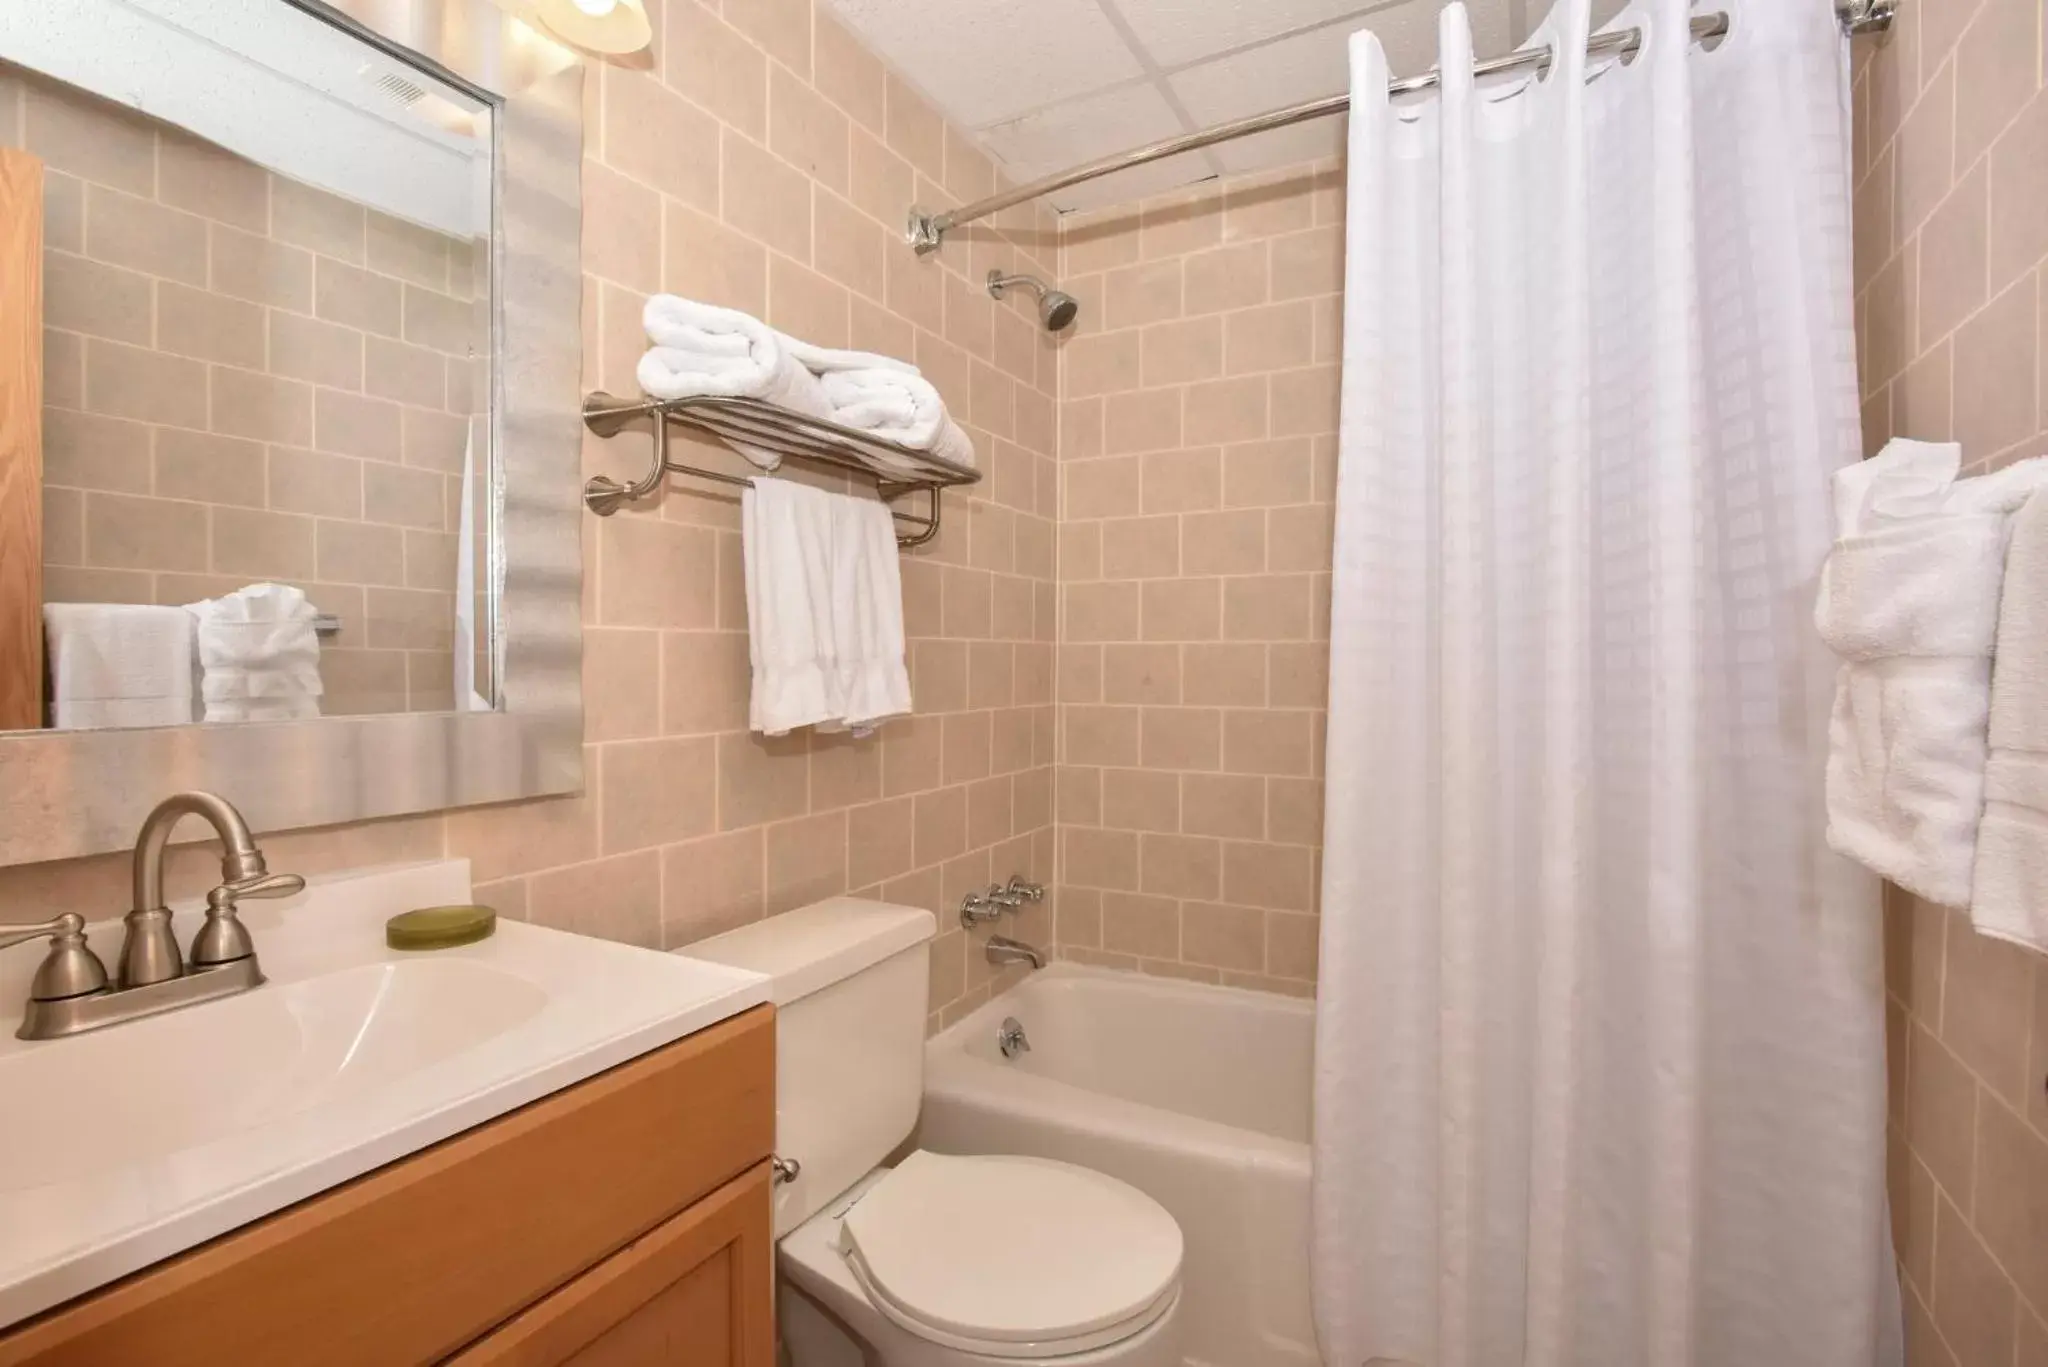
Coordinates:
<point>766,163</point>
<point>1951,224</point>
<point>247,378</point>
<point>1197,460</point>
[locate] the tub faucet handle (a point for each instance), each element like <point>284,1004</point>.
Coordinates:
<point>1020,891</point>
<point>977,908</point>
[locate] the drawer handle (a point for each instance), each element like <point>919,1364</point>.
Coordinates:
<point>785,1169</point>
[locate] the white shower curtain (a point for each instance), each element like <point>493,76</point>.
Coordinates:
<point>1599,1063</point>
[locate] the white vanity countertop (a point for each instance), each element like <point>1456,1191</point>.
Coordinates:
<point>126,1145</point>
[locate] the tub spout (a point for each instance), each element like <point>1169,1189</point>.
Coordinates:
<point>1004,950</point>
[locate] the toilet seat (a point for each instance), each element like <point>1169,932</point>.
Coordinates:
<point>1012,1257</point>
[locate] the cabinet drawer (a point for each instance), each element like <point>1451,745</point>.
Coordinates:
<point>410,1262</point>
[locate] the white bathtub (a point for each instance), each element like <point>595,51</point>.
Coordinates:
<point>1198,1095</point>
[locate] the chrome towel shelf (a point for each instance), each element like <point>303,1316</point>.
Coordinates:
<point>896,469</point>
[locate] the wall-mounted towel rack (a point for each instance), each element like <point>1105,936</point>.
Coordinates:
<point>896,469</point>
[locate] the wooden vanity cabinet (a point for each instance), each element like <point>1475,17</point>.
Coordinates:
<point>623,1222</point>
<point>694,1290</point>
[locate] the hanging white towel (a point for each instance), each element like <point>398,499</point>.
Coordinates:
<point>118,664</point>
<point>1909,601</point>
<point>259,655</point>
<point>867,615</point>
<point>2009,892</point>
<point>700,349</point>
<point>786,545</point>
<point>824,609</point>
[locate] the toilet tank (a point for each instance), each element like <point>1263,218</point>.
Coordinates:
<point>851,982</point>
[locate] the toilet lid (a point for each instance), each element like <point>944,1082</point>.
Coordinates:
<point>991,1251</point>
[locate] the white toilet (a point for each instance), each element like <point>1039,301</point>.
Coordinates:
<point>940,1261</point>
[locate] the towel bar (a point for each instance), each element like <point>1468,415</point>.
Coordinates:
<point>896,469</point>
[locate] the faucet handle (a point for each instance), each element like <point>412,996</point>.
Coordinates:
<point>264,885</point>
<point>70,969</point>
<point>979,907</point>
<point>1021,891</point>
<point>223,939</point>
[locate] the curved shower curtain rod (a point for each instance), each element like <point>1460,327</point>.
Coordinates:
<point>927,231</point>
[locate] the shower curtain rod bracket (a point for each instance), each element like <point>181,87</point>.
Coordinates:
<point>926,231</point>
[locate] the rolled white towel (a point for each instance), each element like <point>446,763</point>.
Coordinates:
<point>700,349</point>
<point>823,360</point>
<point>901,406</point>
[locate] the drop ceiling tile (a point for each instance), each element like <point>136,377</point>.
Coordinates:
<point>1317,63</point>
<point>1055,138</point>
<point>1304,67</point>
<point>994,58</point>
<point>1175,32</point>
<point>1309,65</point>
<point>1068,134</point>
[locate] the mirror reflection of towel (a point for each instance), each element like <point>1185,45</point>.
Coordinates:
<point>118,664</point>
<point>259,656</point>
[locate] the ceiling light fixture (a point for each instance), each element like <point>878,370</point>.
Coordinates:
<point>602,28</point>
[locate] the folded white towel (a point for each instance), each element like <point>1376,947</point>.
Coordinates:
<point>1909,601</point>
<point>259,654</point>
<point>899,405</point>
<point>700,349</point>
<point>118,664</point>
<point>2009,890</point>
<point>824,609</point>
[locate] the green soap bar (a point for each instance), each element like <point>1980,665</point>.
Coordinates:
<point>440,927</point>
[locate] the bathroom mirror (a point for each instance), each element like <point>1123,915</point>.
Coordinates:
<point>289,353</point>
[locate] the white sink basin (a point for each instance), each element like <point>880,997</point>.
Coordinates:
<point>158,1086</point>
<point>133,1142</point>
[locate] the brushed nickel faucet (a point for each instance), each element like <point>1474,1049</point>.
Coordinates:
<point>70,992</point>
<point>1004,950</point>
<point>977,907</point>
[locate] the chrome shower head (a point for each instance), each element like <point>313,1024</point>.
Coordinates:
<point>1056,308</point>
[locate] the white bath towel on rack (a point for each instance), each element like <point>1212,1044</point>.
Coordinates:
<point>897,405</point>
<point>1909,601</point>
<point>823,360</point>
<point>824,609</point>
<point>700,349</point>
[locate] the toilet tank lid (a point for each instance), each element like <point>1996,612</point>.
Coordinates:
<point>818,945</point>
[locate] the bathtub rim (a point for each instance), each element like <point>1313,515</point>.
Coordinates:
<point>953,1072</point>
